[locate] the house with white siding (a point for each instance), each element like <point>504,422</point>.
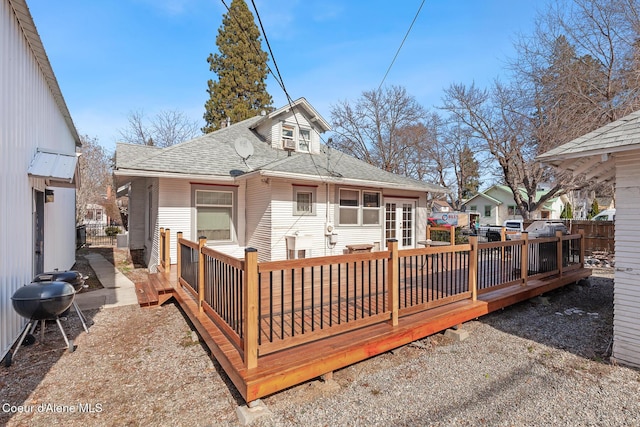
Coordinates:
<point>38,159</point>
<point>497,204</point>
<point>268,183</point>
<point>611,154</point>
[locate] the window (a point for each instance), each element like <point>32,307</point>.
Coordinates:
<point>287,137</point>
<point>473,208</point>
<point>349,207</point>
<point>352,202</point>
<point>303,201</point>
<point>214,214</point>
<point>487,210</point>
<point>304,140</point>
<point>370,208</point>
<point>513,210</point>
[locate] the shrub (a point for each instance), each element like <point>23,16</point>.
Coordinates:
<point>111,231</point>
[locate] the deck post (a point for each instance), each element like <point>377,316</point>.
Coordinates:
<point>473,267</point>
<point>161,247</point>
<point>428,236</point>
<point>250,308</point>
<point>503,238</point>
<point>524,262</point>
<point>179,255</point>
<point>559,252</point>
<point>202,241</point>
<point>452,235</point>
<point>167,249</point>
<point>582,247</point>
<point>392,279</point>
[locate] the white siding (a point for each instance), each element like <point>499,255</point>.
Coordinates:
<point>174,211</point>
<point>626,324</point>
<point>258,217</point>
<point>30,119</point>
<point>137,214</point>
<point>284,222</point>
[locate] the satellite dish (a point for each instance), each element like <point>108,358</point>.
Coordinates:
<point>243,147</point>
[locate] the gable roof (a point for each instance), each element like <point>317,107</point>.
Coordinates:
<point>593,154</point>
<point>300,104</point>
<point>486,196</point>
<point>506,189</point>
<point>214,156</point>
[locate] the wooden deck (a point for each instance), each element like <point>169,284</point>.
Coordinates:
<point>285,367</point>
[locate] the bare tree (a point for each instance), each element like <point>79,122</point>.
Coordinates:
<point>371,129</point>
<point>499,119</point>
<point>166,128</point>
<point>94,168</point>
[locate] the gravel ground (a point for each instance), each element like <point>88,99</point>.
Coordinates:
<point>541,362</point>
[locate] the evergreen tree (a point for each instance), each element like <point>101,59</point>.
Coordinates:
<point>567,212</point>
<point>595,209</point>
<point>240,91</point>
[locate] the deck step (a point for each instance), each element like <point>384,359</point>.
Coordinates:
<point>161,283</point>
<point>147,295</point>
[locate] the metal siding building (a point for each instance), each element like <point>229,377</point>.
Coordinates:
<point>33,116</point>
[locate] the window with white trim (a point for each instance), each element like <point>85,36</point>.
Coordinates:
<point>304,201</point>
<point>214,215</point>
<point>370,208</point>
<point>304,139</point>
<point>288,141</point>
<point>358,207</point>
<point>487,210</point>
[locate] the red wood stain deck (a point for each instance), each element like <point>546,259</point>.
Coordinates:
<point>282,367</point>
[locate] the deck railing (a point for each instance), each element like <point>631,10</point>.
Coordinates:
<point>269,306</point>
<point>299,300</point>
<point>432,277</point>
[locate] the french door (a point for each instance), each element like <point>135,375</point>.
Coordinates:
<point>400,222</point>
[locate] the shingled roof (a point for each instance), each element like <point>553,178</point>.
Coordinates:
<point>214,156</point>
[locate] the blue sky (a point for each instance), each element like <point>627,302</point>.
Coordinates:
<point>114,57</point>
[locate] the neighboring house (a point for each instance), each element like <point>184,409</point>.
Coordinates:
<point>37,165</point>
<point>605,203</point>
<point>95,215</point>
<point>496,205</point>
<point>440,206</point>
<point>255,182</point>
<point>611,154</point>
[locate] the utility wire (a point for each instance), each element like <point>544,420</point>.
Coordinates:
<point>401,44</point>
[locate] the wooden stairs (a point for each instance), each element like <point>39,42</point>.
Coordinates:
<point>156,290</point>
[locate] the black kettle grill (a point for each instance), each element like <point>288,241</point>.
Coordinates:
<point>75,279</point>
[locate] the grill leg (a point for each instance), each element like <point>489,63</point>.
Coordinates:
<point>81,316</point>
<point>66,340</point>
<point>24,334</point>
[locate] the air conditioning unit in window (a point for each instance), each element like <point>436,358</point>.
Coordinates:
<point>288,144</point>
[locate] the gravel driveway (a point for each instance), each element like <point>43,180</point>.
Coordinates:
<point>541,362</point>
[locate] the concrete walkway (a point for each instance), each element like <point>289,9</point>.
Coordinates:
<point>118,289</point>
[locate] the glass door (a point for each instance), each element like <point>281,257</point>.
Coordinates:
<point>399,222</point>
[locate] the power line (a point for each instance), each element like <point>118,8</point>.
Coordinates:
<point>401,44</point>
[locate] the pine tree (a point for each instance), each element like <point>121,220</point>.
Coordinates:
<point>595,209</point>
<point>240,91</point>
<point>567,212</point>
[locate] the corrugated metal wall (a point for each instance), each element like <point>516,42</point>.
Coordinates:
<point>29,118</point>
<point>626,316</point>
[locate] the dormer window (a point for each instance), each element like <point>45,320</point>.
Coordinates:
<point>288,141</point>
<point>295,138</point>
<point>304,140</point>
